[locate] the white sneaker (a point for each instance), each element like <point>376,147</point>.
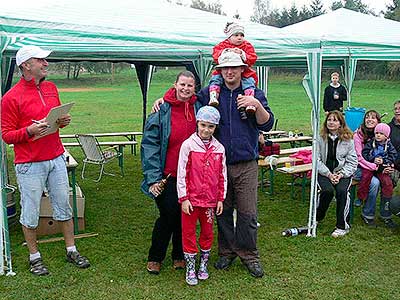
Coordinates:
<point>340,232</point>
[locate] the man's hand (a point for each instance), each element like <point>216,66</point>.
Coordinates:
<point>187,207</point>
<point>64,120</point>
<point>244,101</point>
<point>156,105</point>
<point>38,129</point>
<point>378,160</point>
<point>155,189</point>
<point>220,208</point>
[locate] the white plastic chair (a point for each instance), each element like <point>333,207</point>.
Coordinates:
<point>94,154</point>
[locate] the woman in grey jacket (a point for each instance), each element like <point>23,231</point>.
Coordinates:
<point>337,163</point>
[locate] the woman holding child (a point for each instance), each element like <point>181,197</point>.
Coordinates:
<point>363,135</point>
<point>164,133</point>
<point>337,163</point>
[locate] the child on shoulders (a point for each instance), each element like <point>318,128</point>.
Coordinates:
<point>234,42</point>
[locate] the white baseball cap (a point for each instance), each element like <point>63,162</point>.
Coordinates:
<point>27,52</point>
<point>230,59</point>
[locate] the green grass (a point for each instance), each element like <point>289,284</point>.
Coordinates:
<point>362,265</point>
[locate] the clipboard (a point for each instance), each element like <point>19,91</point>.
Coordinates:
<point>54,114</point>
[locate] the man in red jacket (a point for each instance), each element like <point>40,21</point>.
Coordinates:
<point>39,160</point>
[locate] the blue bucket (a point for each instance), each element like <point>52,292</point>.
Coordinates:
<point>354,117</point>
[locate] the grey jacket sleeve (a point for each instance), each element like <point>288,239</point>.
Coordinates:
<point>351,162</point>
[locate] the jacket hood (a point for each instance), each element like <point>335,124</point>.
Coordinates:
<point>170,97</point>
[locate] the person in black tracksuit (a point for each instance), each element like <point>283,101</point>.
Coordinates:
<point>334,95</point>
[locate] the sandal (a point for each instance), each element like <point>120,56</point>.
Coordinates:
<point>78,260</point>
<point>37,267</point>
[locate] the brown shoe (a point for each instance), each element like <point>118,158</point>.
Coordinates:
<point>153,267</point>
<point>179,264</point>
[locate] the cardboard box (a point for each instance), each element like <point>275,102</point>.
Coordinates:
<point>46,210</point>
<point>48,226</point>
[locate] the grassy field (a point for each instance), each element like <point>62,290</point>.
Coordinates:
<point>362,265</point>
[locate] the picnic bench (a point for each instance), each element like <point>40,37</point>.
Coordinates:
<point>265,166</point>
<point>273,133</point>
<point>130,135</point>
<point>294,150</point>
<point>296,172</point>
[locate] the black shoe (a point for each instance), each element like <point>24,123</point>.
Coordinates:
<point>224,262</point>
<point>78,260</point>
<point>369,222</point>
<point>389,223</point>
<point>255,268</point>
<point>38,268</point>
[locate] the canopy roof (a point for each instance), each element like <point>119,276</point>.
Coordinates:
<point>138,30</point>
<point>344,32</point>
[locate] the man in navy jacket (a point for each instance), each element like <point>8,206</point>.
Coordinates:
<point>240,139</point>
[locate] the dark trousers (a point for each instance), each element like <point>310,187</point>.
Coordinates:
<point>242,195</point>
<point>167,225</point>
<point>342,191</point>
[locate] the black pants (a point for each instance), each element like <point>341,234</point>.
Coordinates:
<point>167,225</point>
<point>342,190</point>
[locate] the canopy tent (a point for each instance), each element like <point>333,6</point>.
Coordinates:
<point>154,32</point>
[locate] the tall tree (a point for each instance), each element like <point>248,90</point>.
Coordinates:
<point>336,5</point>
<point>316,8</point>
<point>293,14</point>
<point>260,11</point>
<point>214,7</point>
<point>304,13</point>
<point>393,11</point>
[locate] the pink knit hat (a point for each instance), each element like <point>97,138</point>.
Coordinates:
<point>383,128</point>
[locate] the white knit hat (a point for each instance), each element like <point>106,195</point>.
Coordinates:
<point>28,52</point>
<point>232,28</point>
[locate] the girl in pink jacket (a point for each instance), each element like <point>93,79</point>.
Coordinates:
<point>201,185</point>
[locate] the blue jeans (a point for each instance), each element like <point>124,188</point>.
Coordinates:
<point>368,210</point>
<point>247,83</point>
<point>32,180</point>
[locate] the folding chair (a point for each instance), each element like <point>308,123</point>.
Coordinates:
<point>94,154</point>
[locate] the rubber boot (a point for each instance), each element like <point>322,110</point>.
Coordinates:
<point>213,99</point>
<point>191,278</point>
<point>203,271</point>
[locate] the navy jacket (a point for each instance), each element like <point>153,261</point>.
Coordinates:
<point>239,137</point>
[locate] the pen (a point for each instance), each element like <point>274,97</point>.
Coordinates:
<point>38,122</point>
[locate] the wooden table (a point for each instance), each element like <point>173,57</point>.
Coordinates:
<point>300,170</point>
<point>130,135</point>
<point>265,166</point>
<point>292,140</point>
<point>120,144</point>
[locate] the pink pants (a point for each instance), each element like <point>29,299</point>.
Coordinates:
<point>363,186</point>
<point>206,217</point>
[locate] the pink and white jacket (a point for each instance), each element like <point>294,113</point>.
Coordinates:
<point>202,175</point>
<point>358,138</point>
